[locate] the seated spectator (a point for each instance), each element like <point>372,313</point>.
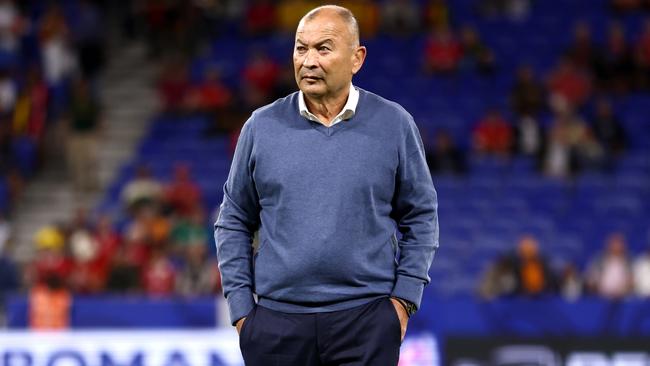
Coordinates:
<point>642,57</point>
<point>527,94</point>
<point>608,129</point>
<point>533,275</point>
<point>475,54</point>
<point>88,276</point>
<point>173,86</point>
<point>570,82</point>
<point>571,285</point>
<point>618,61</point>
<point>436,14</point>
<point>400,18</point>
<point>499,280</point>
<point>583,52</point>
<point>259,77</point>
<point>444,156</point>
<point>529,137</point>
<point>567,130</point>
<point>210,95</point>
<point>260,18</point>
<point>50,264</point>
<point>30,113</point>
<point>442,52</point>
<point>610,273</point>
<point>493,135</point>
<point>189,230</point>
<point>199,275</point>
<point>159,274</point>
<point>182,194</point>
<point>143,190</point>
<point>641,274</point>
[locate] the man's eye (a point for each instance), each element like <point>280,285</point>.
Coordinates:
<point>324,49</point>
<point>300,49</point>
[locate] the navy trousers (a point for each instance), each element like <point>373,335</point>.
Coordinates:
<point>366,335</point>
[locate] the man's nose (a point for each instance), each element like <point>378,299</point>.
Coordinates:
<point>311,59</point>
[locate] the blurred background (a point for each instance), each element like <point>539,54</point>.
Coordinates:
<point>118,121</point>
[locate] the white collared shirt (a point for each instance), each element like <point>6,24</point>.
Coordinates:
<point>346,113</point>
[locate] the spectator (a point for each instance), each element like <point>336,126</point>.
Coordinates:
<point>533,275</point>
<point>141,191</point>
<point>442,52</point>
<point>591,155</point>
<point>610,274</point>
<point>527,95</point>
<point>173,87</point>
<point>475,54</point>
<point>445,157</point>
<point>210,96</point>
<point>560,157</point>
<point>12,26</point>
<point>571,83</point>
<point>199,275</point>
<point>618,61</point>
<point>89,39</point>
<point>259,75</point>
<point>58,59</point>
<point>583,53</point>
<point>83,137</point>
<point>499,280</point>
<point>30,113</point>
<point>189,230</point>
<point>642,53</point>
<point>641,273</point>
<point>88,275</point>
<point>400,18</point>
<point>159,274</point>
<point>529,138</point>
<point>183,195</point>
<point>493,135</point>
<point>50,265</point>
<point>437,14</point>
<point>608,129</point>
<point>571,285</point>
<point>260,18</point>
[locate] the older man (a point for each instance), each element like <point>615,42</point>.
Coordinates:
<point>328,175</point>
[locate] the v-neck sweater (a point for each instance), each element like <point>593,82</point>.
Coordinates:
<point>328,203</point>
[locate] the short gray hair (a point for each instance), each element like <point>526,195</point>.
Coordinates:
<point>344,13</point>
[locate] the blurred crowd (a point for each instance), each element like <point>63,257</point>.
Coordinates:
<point>51,55</point>
<point>161,249</point>
<point>527,272</point>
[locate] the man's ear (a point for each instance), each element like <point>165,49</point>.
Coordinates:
<point>358,57</point>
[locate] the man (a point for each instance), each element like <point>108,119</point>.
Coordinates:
<point>326,175</point>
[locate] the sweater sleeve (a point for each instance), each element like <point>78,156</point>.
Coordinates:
<point>235,226</point>
<point>415,210</point>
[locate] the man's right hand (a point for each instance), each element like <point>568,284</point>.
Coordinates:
<point>239,324</point>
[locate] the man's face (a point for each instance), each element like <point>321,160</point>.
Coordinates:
<point>324,56</point>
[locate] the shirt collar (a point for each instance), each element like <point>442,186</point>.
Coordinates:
<point>348,111</point>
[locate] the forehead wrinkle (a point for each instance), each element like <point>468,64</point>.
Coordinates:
<point>336,32</point>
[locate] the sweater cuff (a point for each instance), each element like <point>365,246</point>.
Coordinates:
<point>240,303</point>
<point>408,288</point>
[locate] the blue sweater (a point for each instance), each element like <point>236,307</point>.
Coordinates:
<point>327,202</point>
